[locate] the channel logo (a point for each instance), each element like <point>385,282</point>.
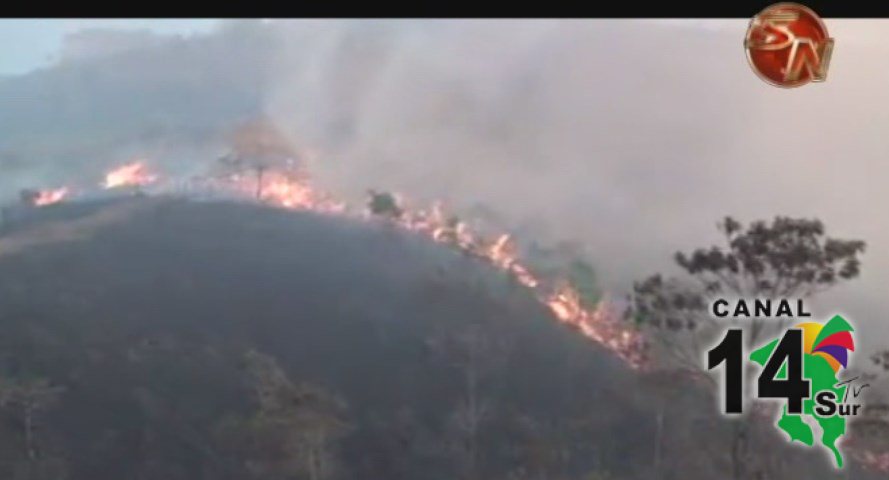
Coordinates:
<point>788,46</point>
<point>801,368</point>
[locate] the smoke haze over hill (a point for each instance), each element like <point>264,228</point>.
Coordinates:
<point>630,137</point>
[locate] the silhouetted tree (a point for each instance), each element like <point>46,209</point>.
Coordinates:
<point>297,425</point>
<point>787,258</point>
<point>478,353</point>
<point>26,401</point>
<point>258,147</point>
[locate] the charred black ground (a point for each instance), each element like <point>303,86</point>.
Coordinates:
<point>145,311</point>
<point>145,320</point>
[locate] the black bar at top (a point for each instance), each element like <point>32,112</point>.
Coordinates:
<point>438,8</point>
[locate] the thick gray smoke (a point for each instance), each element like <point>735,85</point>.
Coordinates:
<point>632,137</point>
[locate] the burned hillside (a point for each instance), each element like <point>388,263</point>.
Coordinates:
<point>163,338</point>
<point>144,321</point>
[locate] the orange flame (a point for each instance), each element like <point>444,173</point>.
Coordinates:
<point>602,324</point>
<point>49,197</point>
<point>293,190</point>
<point>132,174</point>
<point>290,187</point>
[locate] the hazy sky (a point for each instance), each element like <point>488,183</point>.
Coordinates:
<point>28,44</point>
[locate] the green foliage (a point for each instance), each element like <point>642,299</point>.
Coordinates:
<point>384,204</point>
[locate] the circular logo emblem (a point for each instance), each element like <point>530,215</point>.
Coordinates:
<point>788,46</point>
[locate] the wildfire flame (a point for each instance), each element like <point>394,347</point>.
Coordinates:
<point>132,174</point>
<point>293,191</point>
<point>290,187</point>
<point>49,197</point>
<point>601,323</point>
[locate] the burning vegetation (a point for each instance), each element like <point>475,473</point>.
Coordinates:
<point>272,176</point>
<point>135,174</point>
<point>337,376</point>
<point>42,198</point>
<point>286,185</point>
<point>278,179</point>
